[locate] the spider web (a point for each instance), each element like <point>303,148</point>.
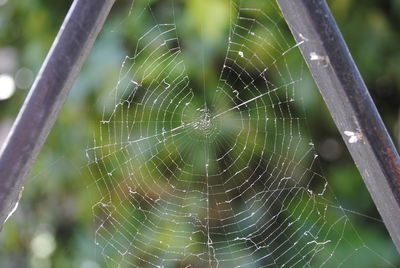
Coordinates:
<point>218,175</point>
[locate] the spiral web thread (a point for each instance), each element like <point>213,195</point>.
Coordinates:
<point>225,182</point>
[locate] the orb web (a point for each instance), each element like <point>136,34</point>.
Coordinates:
<point>220,177</point>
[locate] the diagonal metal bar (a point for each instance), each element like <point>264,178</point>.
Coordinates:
<point>46,97</point>
<point>349,103</point>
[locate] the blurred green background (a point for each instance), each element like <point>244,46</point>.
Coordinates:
<point>54,225</point>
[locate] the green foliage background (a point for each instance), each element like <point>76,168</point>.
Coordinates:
<point>59,193</point>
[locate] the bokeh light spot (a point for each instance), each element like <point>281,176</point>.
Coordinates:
<point>24,78</point>
<point>43,245</point>
<point>89,264</point>
<point>7,86</point>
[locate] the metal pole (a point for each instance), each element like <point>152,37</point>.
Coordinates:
<point>46,97</point>
<point>349,103</point>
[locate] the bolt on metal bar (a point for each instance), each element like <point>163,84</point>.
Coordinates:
<point>349,103</point>
<point>46,97</point>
